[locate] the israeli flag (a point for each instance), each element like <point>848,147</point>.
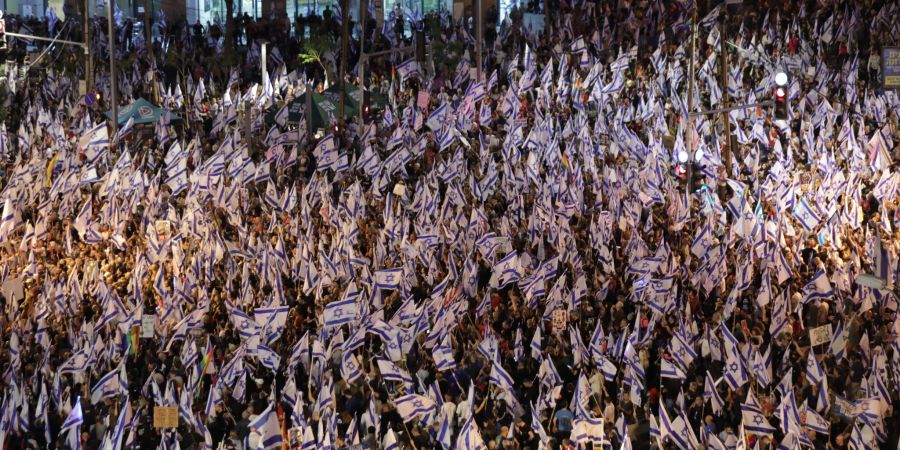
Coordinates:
<point>412,406</point>
<point>281,118</point>
<point>268,358</point>
<point>407,69</point>
<point>350,368</point>
<point>808,215</point>
<point>339,313</point>
<point>389,278</point>
<point>108,386</point>
<point>269,429</point>
<point>75,418</point>
<point>390,372</point>
<point>443,354</point>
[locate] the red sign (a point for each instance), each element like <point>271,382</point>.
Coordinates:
<point>422,101</point>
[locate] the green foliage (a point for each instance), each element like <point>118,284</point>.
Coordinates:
<point>314,49</point>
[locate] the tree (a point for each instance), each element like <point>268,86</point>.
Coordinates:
<point>314,50</point>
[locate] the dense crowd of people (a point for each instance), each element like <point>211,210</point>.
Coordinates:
<point>560,250</point>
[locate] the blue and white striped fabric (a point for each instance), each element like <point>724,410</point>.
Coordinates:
<point>407,69</point>
<point>412,406</point>
<point>95,142</point>
<point>268,358</point>
<point>818,288</point>
<point>670,370</point>
<point>75,418</point>
<point>535,345</point>
<point>814,372</point>
<point>677,430</point>
<point>808,215</point>
<point>269,428</point>
<point>753,418</point>
<point>106,387</point>
<point>390,439</point>
<point>390,372</point>
<point>501,378</point>
<point>340,313</point>
<point>507,270</point>
<point>389,278</point>
<point>443,354</point>
<point>350,368</point>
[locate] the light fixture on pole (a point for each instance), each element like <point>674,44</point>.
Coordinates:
<point>781,78</point>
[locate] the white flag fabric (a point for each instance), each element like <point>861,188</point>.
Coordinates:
<point>339,313</point>
<point>269,429</point>
<point>106,387</point>
<point>389,278</point>
<point>412,406</point>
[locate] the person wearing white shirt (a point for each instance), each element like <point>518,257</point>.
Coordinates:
<point>448,410</point>
<point>463,411</point>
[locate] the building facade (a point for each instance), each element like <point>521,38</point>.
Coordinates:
<point>212,11</point>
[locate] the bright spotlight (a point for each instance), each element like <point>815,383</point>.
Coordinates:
<point>781,79</point>
<point>682,156</point>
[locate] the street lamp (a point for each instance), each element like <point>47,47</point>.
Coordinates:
<point>781,78</point>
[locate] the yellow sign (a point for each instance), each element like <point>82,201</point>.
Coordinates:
<point>165,417</point>
<point>890,67</point>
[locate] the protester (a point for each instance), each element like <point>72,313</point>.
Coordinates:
<point>567,253</point>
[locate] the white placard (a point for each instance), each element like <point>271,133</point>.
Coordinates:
<point>560,318</point>
<point>14,289</point>
<point>820,335</point>
<point>148,322</point>
<point>163,230</point>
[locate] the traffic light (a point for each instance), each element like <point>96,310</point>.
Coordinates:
<point>781,95</point>
<point>367,104</point>
<point>781,107</point>
<point>695,177</point>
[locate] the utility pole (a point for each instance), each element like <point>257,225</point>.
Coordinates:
<point>479,37</point>
<point>248,118</point>
<point>113,88</point>
<point>345,44</point>
<point>363,18</point>
<point>362,90</point>
<point>723,77</point>
<point>148,42</point>
<point>308,110</point>
<point>263,64</point>
<point>689,120</point>
<point>88,66</point>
